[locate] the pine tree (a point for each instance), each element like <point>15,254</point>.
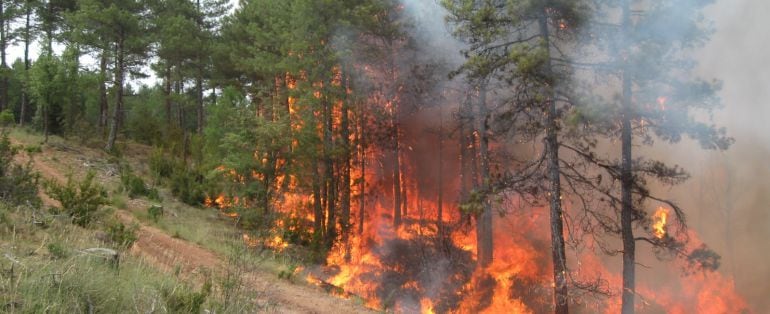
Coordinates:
<point>656,98</point>
<point>121,27</point>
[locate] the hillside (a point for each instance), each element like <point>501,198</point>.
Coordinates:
<point>182,250</point>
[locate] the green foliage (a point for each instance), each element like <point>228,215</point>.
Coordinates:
<point>184,300</point>
<point>155,212</point>
<point>18,184</point>
<point>187,185</point>
<point>6,118</point>
<point>120,234</point>
<point>80,200</point>
<point>161,165</point>
<point>135,185</point>
<point>57,250</point>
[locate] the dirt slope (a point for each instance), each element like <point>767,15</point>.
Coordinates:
<point>168,253</point>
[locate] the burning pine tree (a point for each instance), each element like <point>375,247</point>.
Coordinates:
<point>492,191</point>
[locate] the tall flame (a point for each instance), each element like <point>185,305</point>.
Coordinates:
<point>659,222</point>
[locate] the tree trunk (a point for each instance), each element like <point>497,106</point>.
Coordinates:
<point>626,179</point>
<point>119,74</point>
<point>345,184</point>
<point>318,214</point>
<point>396,178</point>
<point>199,99</point>
<point>27,42</point>
<point>3,63</point>
<point>362,163</point>
<point>167,93</point>
<point>484,220</point>
<point>404,188</point>
<point>440,200</point>
<point>178,87</point>
<point>554,176</point>
<point>331,191</point>
<point>103,103</point>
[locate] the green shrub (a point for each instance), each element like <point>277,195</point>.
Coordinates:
<point>80,200</point>
<point>18,184</point>
<point>57,250</point>
<point>155,212</point>
<point>6,118</point>
<point>120,234</point>
<point>187,185</point>
<point>160,164</point>
<point>183,300</point>
<point>135,186</point>
<point>32,149</point>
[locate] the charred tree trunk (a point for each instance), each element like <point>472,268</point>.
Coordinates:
<point>484,219</point>
<point>440,197</point>
<point>345,184</point>
<point>554,176</point>
<point>331,182</point>
<point>362,164</point>
<point>318,214</point>
<point>396,178</point>
<point>119,76</point>
<point>404,188</point>
<point>626,179</point>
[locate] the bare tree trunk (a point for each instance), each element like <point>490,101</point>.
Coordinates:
<point>484,220</point>
<point>167,93</point>
<point>318,214</point>
<point>396,178</point>
<point>626,179</point>
<point>331,191</point>
<point>404,188</point>
<point>27,42</point>
<point>554,176</point>
<point>199,80</point>
<point>199,100</point>
<point>178,87</point>
<point>119,75</point>
<point>345,184</point>
<point>362,164</point>
<point>440,200</point>
<point>3,63</point>
<point>103,103</point>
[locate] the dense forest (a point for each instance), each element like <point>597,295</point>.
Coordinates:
<point>427,156</point>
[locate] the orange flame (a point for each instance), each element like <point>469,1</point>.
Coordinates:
<point>659,222</point>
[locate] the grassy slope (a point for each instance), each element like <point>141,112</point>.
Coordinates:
<point>138,285</point>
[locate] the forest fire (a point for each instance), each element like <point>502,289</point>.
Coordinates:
<point>429,263</point>
<point>659,222</point>
<point>412,193</point>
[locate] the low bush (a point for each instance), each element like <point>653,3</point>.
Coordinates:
<point>121,235</point>
<point>6,118</point>
<point>183,300</point>
<point>57,250</point>
<point>18,184</point>
<point>155,212</point>
<point>80,200</point>
<point>135,186</point>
